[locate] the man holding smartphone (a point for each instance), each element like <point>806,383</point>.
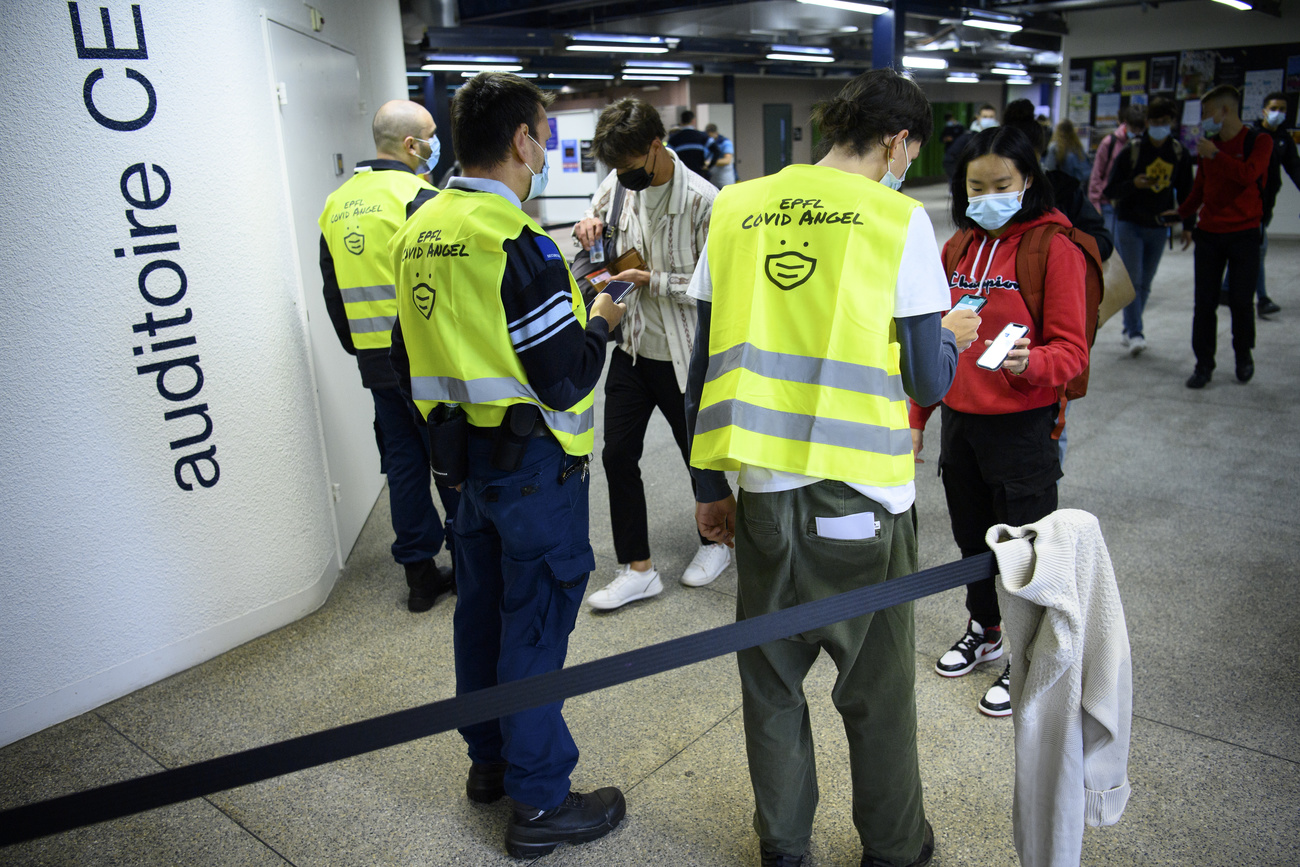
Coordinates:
<point>491,320</point>
<point>665,218</point>
<point>813,414</point>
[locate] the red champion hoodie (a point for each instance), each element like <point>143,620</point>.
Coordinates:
<point>1057,353</point>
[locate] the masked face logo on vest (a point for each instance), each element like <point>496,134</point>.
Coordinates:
<point>789,269</point>
<point>355,242</point>
<point>424,296</point>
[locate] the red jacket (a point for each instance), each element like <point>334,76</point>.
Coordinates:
<point>1057,353</point>
<point>1229,189</point>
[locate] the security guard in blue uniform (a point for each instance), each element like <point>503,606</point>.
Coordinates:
<point>359,220</point>
<point>493,339</point>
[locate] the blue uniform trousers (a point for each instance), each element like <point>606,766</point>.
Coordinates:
<point>404,457</point>
<point>522,555</point>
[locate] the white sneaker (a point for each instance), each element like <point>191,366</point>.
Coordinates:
<point>1123,339</point>
<point>1136,345</point>
<point>706,565</point>
<point>628,585</point>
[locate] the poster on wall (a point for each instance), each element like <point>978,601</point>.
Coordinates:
<point>1293,72</point>
<point>1195,73</point>
<point>584,152</point>
<point>1137,99</point>
<point>1078,80</point>
<point>569,153</point>
<point>1103,76</point>
<point>1190,129</point>
<point>1107,113</point>
<point>554,141</point>
<point>1080,109</point>
<point>1164,74</point>
<point>1259,84</point>
<point>1133,76</point>
<point>1230,69</point>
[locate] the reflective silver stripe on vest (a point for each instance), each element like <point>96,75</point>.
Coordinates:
<point>369,293</point>
<point>371,325</point>
<point>854,435</point>
<point>503,388</point>
<point>861,378</point>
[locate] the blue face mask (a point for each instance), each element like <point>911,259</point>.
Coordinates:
<point>1275,118</point>
<point>435,152</point>
<point>538,183</point>
<point>1210,127</point>
<point>995,210</point>
<point>987,123</point>
<point>895,182</point>
<point>1157,134</point>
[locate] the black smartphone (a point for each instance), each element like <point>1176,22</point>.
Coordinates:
<point>971,302</point>
<point>618,289</point>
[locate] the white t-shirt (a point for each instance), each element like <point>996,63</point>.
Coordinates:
<point>922,288</point>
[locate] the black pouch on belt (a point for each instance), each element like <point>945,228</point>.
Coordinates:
<point>518,427</point>
<point>448,444</point>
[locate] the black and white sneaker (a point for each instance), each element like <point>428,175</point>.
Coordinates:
<point>977,645</point>
<point>997,701</point>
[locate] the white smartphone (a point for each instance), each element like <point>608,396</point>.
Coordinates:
<point>1001,346</point>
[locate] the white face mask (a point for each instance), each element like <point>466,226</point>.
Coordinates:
<point>1275,118</point>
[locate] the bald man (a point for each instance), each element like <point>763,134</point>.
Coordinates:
<point>359,219</point>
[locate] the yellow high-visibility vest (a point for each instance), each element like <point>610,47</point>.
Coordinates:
<point>359,220</point>
<point>449,263</point>
<point>803,356</point>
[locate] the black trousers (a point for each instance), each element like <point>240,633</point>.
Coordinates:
<point>1239,251</point>
<point>632,393</point>
<point>997,469</point>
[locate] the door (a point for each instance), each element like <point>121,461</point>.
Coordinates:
<point>321,116</point>
<point>778,139</point>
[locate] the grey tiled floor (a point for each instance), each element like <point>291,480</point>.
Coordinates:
<point>1195,492</point>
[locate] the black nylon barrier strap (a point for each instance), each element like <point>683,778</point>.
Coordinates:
<point>126,798</point>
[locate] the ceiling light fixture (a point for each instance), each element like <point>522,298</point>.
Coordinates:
<point>1236,4</point>
<point>992,21</point>
<point>634,77</point>
<point>617,37</point>
<point>468,67</point>
<point>470,74</point>
<point>801,53</point>
<point>621,49</point>
<point>673,67</point>
<point>1020,80</point>
<point>865,8</point>
<point>1008,69</point>
<point>805,58</point>
<point>582,75</point>
<point>912,62</point>
<point>966,77</point>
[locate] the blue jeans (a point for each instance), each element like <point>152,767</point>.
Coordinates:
<point>1108,217</point>
<point>1261,292</point>
<point>404,457</point>
<point>522,560</point>
<point>1140,247</point>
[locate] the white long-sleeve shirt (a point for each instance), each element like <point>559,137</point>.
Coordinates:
<point>1071,682</point>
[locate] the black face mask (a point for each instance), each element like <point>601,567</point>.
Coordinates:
<point>638,179</point>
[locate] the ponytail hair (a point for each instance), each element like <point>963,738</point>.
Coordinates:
<point>871,108</point>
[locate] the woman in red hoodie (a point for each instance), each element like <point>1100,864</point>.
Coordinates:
<point>997,457</point>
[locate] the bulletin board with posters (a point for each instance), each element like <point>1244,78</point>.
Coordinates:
<point>1102,88</point>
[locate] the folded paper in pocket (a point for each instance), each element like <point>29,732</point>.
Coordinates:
<point>849,528</point>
